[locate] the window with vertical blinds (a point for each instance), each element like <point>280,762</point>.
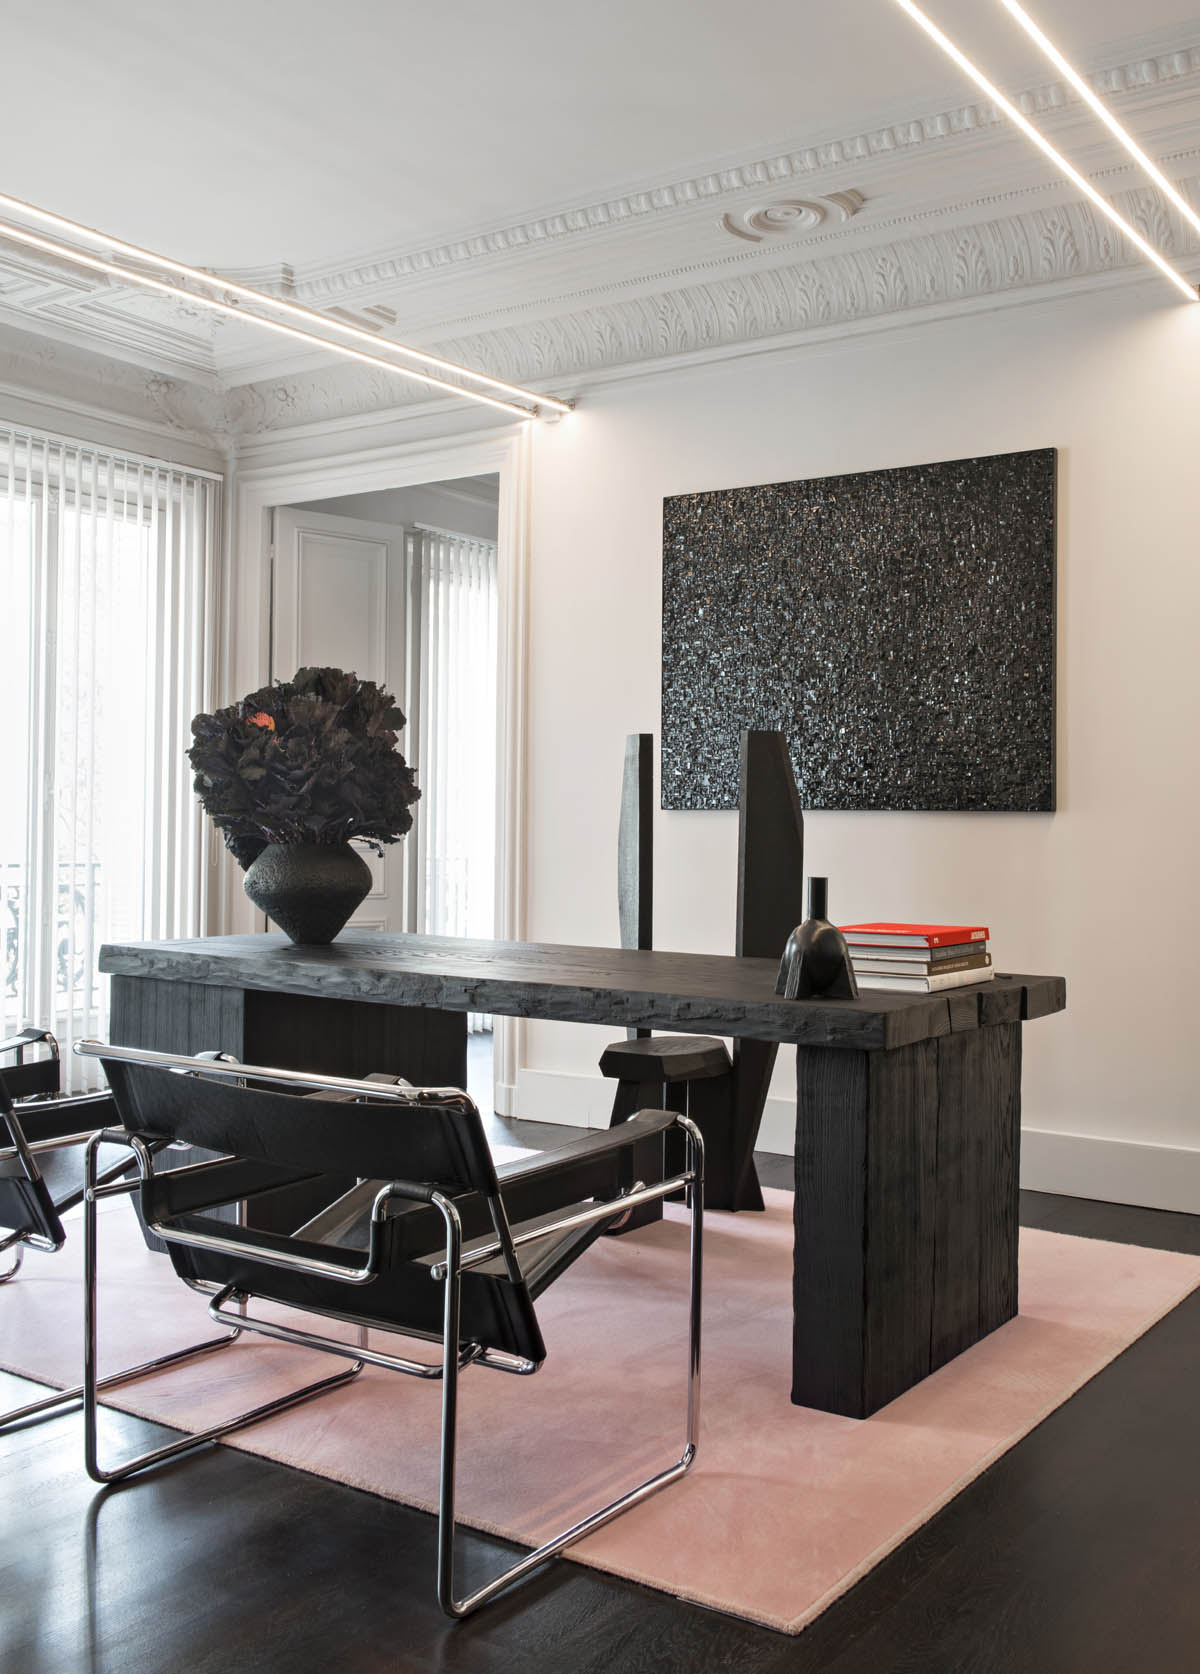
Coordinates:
<point>107,566</point>
<point>453,674</point>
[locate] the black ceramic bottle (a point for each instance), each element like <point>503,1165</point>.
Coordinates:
<point>816,959</point>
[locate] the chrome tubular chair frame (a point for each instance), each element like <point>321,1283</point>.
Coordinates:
<point>691,1183</point>
<point>229,1305</point>
<point>20,1160</point>
<point>94,1191</point>
<point>19,1163</point>
<point>18,1155</point>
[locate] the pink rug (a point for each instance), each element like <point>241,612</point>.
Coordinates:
<point>784,1509</point>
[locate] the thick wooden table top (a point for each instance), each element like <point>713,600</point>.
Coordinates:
<point>692,993</point>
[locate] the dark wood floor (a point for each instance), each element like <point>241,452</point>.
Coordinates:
<point>1077,1553</point>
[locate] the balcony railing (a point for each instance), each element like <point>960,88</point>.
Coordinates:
<point>76,889</point>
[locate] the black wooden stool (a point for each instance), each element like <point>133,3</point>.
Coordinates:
<point>690,1074</point>
<point>695,1074</point>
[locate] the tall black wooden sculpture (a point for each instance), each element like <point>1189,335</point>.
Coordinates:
<point>724,1098</point>
<point>689,1073</point>
<point>635,849</point>
<point>770,903</point>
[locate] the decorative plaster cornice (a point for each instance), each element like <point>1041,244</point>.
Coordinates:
<point>895,228</point>
<point>185,346</point>
<point>82,393</point>
<point>388,269</point>
<point>994,257</point>
<point>93,309</point>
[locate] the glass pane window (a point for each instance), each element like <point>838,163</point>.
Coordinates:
<point>453,687</point>
<point>106,566</point>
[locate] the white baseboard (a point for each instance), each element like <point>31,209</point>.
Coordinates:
<point>1112,1170</point>
<point>577,1101</point>
<point>1075,1164</point>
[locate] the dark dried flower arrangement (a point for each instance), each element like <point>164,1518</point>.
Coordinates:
<point>307,760</point>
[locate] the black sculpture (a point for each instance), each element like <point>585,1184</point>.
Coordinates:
<point>816,959</point>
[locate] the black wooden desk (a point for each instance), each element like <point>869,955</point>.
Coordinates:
<point>908,1107</point>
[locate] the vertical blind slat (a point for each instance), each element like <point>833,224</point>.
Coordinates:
<point>455,597</point>
<point>106,641</point>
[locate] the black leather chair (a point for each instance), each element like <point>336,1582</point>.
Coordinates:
<point>37,1118</point>
<point>435,1241</point>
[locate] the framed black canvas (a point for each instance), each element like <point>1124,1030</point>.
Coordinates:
<point>898,626</point>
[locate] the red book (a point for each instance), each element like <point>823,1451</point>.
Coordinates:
<point>913,935</point>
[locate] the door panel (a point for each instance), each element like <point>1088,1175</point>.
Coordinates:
<point>340,600</point>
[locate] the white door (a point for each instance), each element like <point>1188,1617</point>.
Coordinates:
<point>340,600</point>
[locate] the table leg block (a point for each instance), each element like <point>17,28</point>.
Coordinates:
<point>355,1038</point>
<point>177,1016</point>
<point>906,1212</point>
<point>901,1196</point>
<point>979,1136</point>
<point>866,1141</point>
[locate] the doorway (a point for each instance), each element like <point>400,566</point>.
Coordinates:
<point>400,586</point>
<point>391,462</point>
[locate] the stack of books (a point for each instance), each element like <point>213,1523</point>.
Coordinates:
<point>918,958</point>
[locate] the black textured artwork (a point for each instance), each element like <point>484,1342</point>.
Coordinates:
<point>898,626</point>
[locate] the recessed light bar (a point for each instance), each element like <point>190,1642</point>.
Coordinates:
<point>1085,186</point>
<point>166,287</point>
<point>263,299</point>
<point>1102,111</point>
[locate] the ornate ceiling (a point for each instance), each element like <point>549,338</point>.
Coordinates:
<point>940,207</point>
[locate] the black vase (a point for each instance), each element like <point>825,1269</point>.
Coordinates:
<point>816,960</point>
<point>308,889</point>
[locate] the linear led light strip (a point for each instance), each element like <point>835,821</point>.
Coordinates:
<point>263,299</point>
<point>1043,144</point>
<point>1102,111</point>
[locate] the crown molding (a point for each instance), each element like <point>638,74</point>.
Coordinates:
<point>46,295</point>
<point>601,262</point>
<point>878,232</point>
<point>993,260</point>
<point>986,261</point>
<point>387,269</point>
<point>693,270</point>
<point>132,425</point>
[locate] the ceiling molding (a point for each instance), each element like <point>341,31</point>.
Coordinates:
<point>80,393</point>
<point>386,269</point>
<point>1002,258</point>
<point>892,185</point>
<point>1008,258</point>
<point>883,231</point>
<point>886,224</point>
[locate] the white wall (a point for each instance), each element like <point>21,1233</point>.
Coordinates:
<point>1105,890</point>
